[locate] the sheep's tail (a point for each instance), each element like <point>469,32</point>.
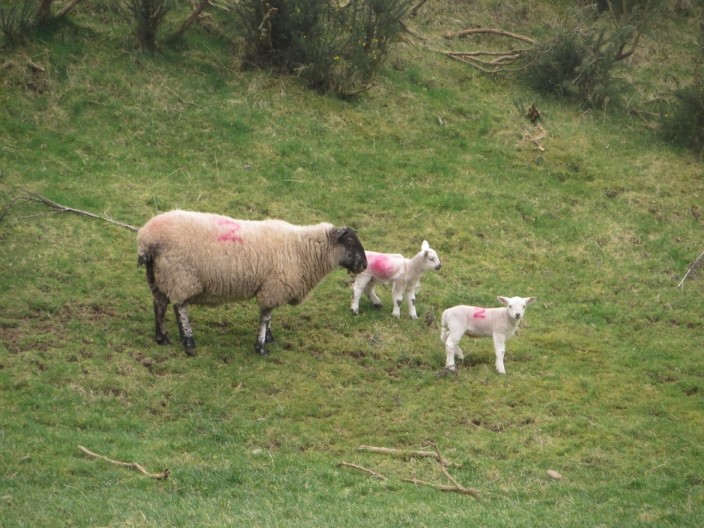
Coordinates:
<point>445,331</point>
<point>145,257</point>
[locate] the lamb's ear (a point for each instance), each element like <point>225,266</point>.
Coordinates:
<point>502,300</point>
<point>425,246</point>
<point>529,300</point>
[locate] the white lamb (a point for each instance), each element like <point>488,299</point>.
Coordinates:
<point>498,323</point>
<point>200,258</point>
<point>403,274</point>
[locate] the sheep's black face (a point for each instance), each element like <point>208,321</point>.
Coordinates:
<point>353,256</point>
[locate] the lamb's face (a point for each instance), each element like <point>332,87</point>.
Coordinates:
<point>353,257</point>
<point>431,259</point>
<point>516,305</point>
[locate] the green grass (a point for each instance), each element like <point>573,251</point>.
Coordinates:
<point>604,381</point>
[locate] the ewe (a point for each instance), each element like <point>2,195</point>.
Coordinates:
<point>498,323</point>
<point>403,274</point>
<point>200,258</point>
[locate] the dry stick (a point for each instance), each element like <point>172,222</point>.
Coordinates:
<point>692,269</point>
<point>363,469</point>
<point>401,452</point>
<point>481,31</point>
<point>191,19</point>
<point>443,487</point>
<point>35,198</point>
<point>67,8</point>
<point>132,465</point>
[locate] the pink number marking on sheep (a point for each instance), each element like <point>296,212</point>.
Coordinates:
<point>230,235</point>
<point>382,266</point>
<point>479,313</point>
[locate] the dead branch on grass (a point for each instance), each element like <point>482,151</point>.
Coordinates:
<point>132,465</point>
<point>403,453</point>
<point>692,271</point>
<point>364,470</point>
<point>490,31</point>
<point>454,485</point>
<point>31,198</point>
<point>195,14</point>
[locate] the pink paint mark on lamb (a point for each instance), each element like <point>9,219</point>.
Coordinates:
<point>479,313</point>
<point>230,235</point>
<point>381,265</point>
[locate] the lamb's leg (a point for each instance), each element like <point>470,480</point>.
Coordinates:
<point>412,303</point>
<point>264,329</point>
<point>360,283</point>
<point>500,349</point>
<point>369,291</point>
<point>269,338</point>
<point>161,302</point>
<point>184,329</point>
<point>397,293</point>
<point>452,351</point>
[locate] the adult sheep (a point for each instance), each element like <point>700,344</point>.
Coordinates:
<point>201,258</point>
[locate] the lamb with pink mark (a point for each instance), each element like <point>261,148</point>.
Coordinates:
<point>403,274</point>
<point>497,323</point>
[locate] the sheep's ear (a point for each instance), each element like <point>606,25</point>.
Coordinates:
<point>529,300</point>
<point>425,246</point>
<point>342,232</point>
<point>502,300</point>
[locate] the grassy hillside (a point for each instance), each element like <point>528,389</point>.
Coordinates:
<point>605,379</point>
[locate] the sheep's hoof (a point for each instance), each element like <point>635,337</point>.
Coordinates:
<point>260,348</point>
<point>377,306</point>
<point>355,312</point>
<point>269,338</point>
<point>163,340</point>
<point>190,351</point>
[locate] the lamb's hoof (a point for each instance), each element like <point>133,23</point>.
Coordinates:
<point>355,312</point>
<point>260,348</point>
<point>190,351</point>
<point>163,340</point>
<point>377,306</point>
<point>447,371</point>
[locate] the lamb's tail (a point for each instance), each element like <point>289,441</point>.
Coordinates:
<point>444,332</point>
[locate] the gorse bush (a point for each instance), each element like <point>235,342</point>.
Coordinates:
<point>580,64</point>
<point>684,123</point>
<point>145,16</point>
<point>334,46</point>
<point>16,19</point>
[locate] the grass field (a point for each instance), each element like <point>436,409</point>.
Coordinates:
<point>605,379</point>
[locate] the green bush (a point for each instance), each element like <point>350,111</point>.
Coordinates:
<point>335,47</point>
<point>16,19</point>
<point>684,123</point>
<point>145,16</point>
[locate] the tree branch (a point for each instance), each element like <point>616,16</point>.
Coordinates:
<point>32,198</point>
<point>68,8</point>
<point>132,465</point>
<point>480,31</point>
<point>364,470</point>
<point>692,269</point>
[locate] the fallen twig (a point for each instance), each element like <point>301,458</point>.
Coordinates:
<point>132,465</point>
<point>444,487</point>
<point>363,469</point>
<point>403,453</point>
<point>480,31</point>
<point>692,269</point>
<point>32,198</point>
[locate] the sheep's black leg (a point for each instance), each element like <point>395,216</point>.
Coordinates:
<point>160,304</point>
<point>264,331</point>
<point>161,301</point>
<point>184,329</point>
<point>269,335</point>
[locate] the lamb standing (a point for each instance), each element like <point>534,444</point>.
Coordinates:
<point>200,258</point>
<point>498,323</point>
<point>403,274</point>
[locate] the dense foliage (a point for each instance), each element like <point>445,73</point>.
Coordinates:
<point>336,47</point>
